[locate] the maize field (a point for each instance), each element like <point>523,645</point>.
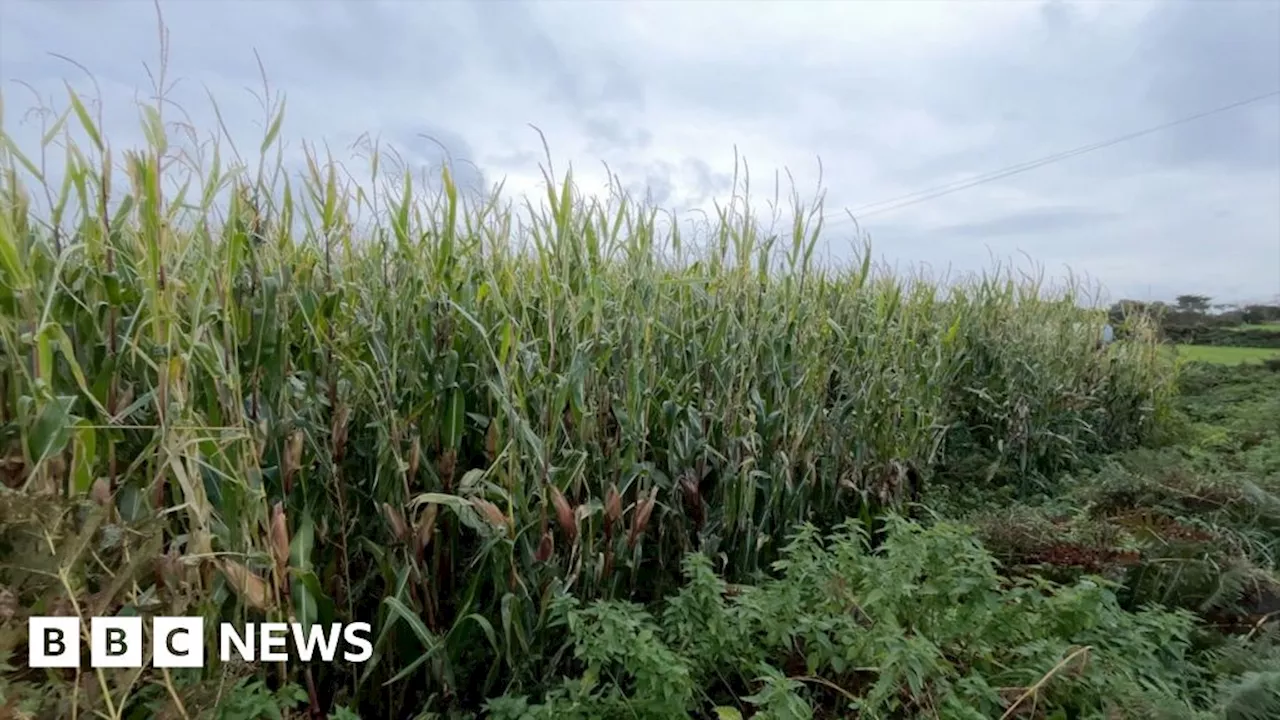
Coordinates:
<point>233,388</point>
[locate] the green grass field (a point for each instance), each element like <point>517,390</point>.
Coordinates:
<point>1258,326</point>
<point>1223,355</point>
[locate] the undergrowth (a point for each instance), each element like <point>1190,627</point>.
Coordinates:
<point>925,626</point>
<point>1191,525</point>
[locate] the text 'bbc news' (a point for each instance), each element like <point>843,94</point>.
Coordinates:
<point>179,642</point>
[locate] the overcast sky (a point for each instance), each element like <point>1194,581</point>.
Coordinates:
<point>894,97</point>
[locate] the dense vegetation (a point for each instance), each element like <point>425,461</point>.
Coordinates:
<point>567,460</point>
<point>1191,321</point>
<point>1260,337</point>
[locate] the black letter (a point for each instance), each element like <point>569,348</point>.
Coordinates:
<point>115,638</point>
<point>168,642</point>
<point>52,637</point>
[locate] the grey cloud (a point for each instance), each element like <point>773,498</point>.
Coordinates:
<point>706,183</point>
<point>1094,82</point>
<point>658,186</point>
<point>607,82</point>
<point>688,184</point>
<point>429,149</point>
<point>608,134</point>
<point>653,182</point>
<point>525,46</point>
<point>599,91</point>
<point>1209,54</point>
<point>1057,15</point>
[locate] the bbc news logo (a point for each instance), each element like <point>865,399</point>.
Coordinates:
<point>178,642</point>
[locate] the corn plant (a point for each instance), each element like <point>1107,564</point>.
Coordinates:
<point>306,394</point>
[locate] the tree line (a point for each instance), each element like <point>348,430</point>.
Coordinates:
<point>1197,320</point>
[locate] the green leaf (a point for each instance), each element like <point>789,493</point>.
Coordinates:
<point>85,456</point>
<point>461,508</point>
<point>273,131</point>
<point>12,148</point>
<point>153,129</point>
<point>85,120</point>
<point>455,417</point>
<point>55,128</point>
<point>487,628</point>
<point>52,429</point>
<point>44,355</point>
<point>303,543</point>
<point>69,354</point>
<point>310,603</point>
<point>432,643</point>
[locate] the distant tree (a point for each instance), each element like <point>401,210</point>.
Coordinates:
<point>1124,308</point>
<point>1259,314</point>
<point>1230,317</point>
<point>1193,303</point>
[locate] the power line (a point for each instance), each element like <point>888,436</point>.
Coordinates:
<point>955,186</point>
